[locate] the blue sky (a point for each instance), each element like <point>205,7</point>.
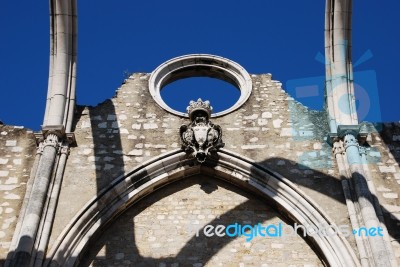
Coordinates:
<point>284,38</point>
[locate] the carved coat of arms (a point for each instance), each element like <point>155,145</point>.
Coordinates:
<point>201,137</point>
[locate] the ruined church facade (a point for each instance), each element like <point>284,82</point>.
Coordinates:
<point>133,182</point>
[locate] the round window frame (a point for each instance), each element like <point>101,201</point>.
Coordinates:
<point>200,65</point>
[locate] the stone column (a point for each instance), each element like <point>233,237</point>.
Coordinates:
<point>34,207</point>
<point>380,253</point>
<point>38,210</point>
<point>343,123</point>
<point>60,102</point>
<point>339,71</point>
<point>339,154</point>
<point>50,209</point>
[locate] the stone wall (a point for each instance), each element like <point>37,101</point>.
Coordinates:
<point>270,128</point>
<point>17,154</point>
<point>384,158</point>
<point>161,230</point>
<point>120,134</point>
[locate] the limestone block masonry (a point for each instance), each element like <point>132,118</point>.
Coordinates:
<point>130,133</point>
<point>163,227</point>
<point>17,153</point>
<point>121,133</point>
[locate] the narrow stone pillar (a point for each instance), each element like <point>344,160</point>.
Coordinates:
<point>380,253</point>
<point>339,153</point>
<point>343,123</point>
<point>50,209</point>
<point>60,102</point>
<point>339,87</point>
<point>37,215</point>
<point>33,211</point>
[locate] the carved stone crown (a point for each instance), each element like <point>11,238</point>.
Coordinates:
<point>197,107</point>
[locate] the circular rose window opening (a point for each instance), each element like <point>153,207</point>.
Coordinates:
<point>223,82</point>
<point>222,95</point>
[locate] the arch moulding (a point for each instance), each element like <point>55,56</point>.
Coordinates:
<point>126,190</point>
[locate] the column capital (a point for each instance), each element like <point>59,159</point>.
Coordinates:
<point>40,148</point>
<point>350,140</point>
<point>359,131</point>
<point>57,130</point>
<point>64,149</point>
<point>51,140</point>
<point>338,148</point>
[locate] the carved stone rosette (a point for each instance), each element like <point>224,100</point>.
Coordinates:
<point>200,137</point>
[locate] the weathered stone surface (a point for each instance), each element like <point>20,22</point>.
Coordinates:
<point>385,169</point>
<point>14,174</point>
<point>162,230</point>
<point>103,155</point>
<point>122,133</point>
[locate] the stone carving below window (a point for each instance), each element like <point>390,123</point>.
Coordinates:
<point>201,137</point>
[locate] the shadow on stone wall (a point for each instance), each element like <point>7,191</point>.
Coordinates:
<point>110,164</point>
<point>199,248</point>
<point>325,185</point>
<point>331,186</point>
<point>107,148</point>
<point>390,136</point>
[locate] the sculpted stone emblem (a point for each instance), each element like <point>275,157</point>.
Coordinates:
<point>201,137</point>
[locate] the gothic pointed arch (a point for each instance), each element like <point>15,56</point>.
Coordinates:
<point>126,190</point>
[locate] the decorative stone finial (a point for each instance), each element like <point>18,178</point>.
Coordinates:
<point>201,137</point>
